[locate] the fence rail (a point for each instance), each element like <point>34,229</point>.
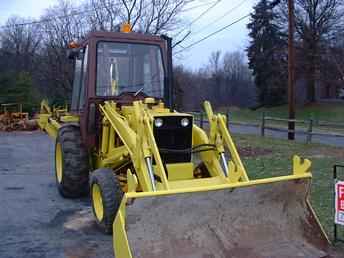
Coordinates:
<point>308,131</point>
<point>330,124</point>
<point>308,125</point>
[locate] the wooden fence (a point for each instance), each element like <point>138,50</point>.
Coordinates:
<point>307,125</point>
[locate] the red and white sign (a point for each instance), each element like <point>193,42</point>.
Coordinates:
<point>339,216</point>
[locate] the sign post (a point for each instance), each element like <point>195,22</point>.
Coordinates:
<point>339,203</point>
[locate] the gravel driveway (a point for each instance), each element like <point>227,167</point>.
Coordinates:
<point>35,222</point>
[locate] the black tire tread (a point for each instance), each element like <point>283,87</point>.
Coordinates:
<point>111,196</point>
<point>75,163</point>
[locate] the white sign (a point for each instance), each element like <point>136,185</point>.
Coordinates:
<point>339,216</point>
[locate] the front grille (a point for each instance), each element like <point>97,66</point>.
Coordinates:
<point>173,140</point>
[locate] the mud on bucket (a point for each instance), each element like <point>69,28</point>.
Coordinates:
<point>268,220</point>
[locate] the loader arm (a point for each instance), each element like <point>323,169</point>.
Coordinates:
<point>140,144</point>
<point>130,139</point>
<point>149,146</point>
<point>127,135</point>
<point>220,136</point>
<point>199,137</point>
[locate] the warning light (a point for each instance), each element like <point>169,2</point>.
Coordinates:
<point>73,44</point>
<point>126,27</point>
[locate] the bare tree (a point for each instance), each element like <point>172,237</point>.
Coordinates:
<point>69,24</point>
<point>314,21</point>
<point>235,66</point>
<point>21,43</point>
<point>215,62</point>
<point>224,81</point>
<point>238,80</point>
<point>149,16</point>
<point>215,73</point>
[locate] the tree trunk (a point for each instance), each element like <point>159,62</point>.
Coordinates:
<point>311,88</point>
<point>311,64</point>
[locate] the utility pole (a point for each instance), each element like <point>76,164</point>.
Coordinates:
<point>291,70</point>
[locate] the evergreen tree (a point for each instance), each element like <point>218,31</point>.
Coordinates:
<point>267,54</point>
<point>18,89</point>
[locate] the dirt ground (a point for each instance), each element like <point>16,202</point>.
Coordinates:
<point>35,222</point>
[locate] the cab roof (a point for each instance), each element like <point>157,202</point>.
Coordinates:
<point>113,36</point>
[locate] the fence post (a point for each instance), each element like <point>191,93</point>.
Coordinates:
<point>201,119</point>
<point>262,126</point>
<point>309,131</point>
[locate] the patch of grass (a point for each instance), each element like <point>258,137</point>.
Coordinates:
<point>279,162</point>
<point>333,112</point>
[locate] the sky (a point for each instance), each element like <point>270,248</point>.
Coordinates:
<point>232,39</point>
<point>23,8</point>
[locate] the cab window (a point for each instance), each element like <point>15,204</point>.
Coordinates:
<point>83,79</point>
<point>79,82</point>
<point>128,67</point>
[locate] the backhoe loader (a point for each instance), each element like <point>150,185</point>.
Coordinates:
<point>162,185</point>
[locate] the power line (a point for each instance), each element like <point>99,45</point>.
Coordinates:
<point>221,17</point>
<point>198,17</point>
<point>49,19</point>
<point>211,23</point>
<point>205,12</point>
<point>212,34</point>
<point>180,41</point>
<point>197,6</point>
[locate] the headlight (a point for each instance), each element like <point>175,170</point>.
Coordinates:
<point>184,122</point>
<point>158,122</point>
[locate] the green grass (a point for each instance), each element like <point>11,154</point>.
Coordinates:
<point>278,162</point>
<point>333,112</point>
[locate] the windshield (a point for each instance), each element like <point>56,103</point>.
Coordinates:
<point>125,67</point>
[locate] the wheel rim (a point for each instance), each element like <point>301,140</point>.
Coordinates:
<point>58,162</point>
<point>97,202</point>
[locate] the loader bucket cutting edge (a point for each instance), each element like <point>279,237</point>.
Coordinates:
<point>271,220</point>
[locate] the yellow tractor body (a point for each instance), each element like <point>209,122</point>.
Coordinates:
<point>167,188</point>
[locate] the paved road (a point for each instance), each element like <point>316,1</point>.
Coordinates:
<point>300,137</point>
<point>35,222</point>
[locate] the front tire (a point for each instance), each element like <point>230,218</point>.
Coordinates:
<point>106,197</point>
<point>71,163</point>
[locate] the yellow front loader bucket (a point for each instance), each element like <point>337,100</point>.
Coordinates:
<point>253,220</point>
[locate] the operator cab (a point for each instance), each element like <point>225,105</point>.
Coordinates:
<point>108,65</point>
<point>118,66</point>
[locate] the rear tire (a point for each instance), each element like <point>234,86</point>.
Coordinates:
<point>71,163</point>
<point>106,197</point>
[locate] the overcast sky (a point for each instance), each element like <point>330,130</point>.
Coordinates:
<point>234,38</point>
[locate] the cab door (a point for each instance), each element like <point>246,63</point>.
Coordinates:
<point>79,81</point>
